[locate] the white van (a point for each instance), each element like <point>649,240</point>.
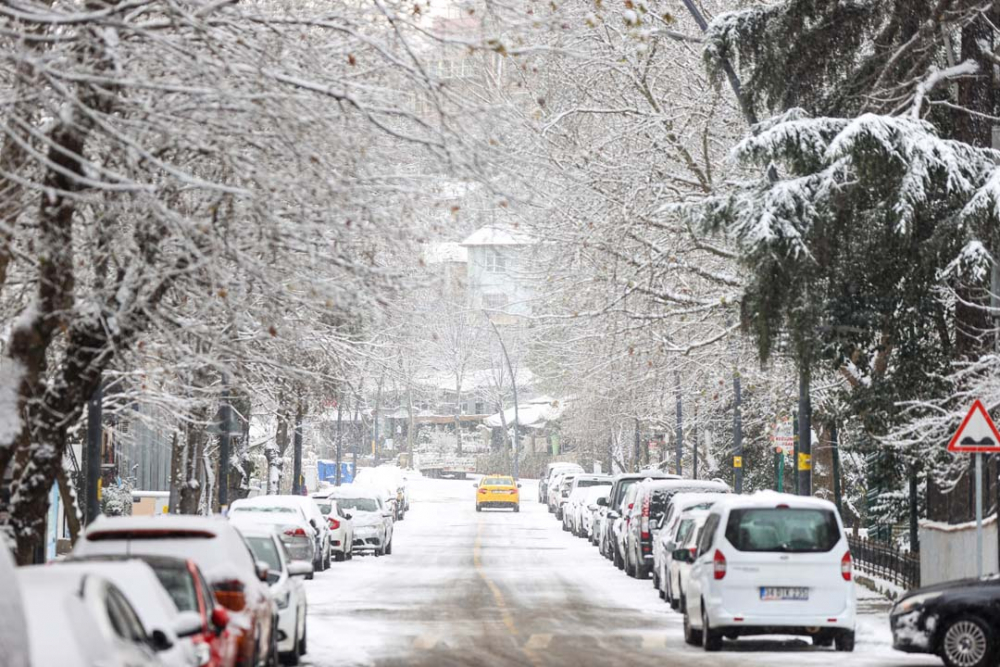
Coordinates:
<point>771,563</point>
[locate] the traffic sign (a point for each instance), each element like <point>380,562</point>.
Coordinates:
<point>977,434</point>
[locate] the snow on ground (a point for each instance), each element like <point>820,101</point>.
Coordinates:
<point>498,588</point>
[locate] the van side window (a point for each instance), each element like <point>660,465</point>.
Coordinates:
<point>708,534</point>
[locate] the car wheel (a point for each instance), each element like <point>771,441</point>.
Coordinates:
<point>329,558</point>
<point>711,640</point>
<point>517,508</point>
<point>340,556</point>
<point>656,582</point>
<point>845,642</point>
<point>388,549</point>
<point>822,640</point>
<point>272,651</point>
<point>292,657</point>
<point>691,636</point>
<point>478,508</point>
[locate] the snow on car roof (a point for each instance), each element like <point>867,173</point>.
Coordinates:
<point>351,491</point>
<point>172,522</point>
<point>772,499</point>
<point>658,484</point>
<point>53,608</point>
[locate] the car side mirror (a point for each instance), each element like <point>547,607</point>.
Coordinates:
<point>602,502</point>
<point>300,568</point>
<point>519,485</point>
<point>612,515</point>
<point>262,570</point>
<point>683,556</point>
<point>475,484</point>
<point>387,515</point>
<point>348,516</point>
<point>187,624</point>
<point>159,641</point>
<point>220,618</point>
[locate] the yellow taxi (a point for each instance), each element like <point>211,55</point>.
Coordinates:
<point>498,491</point>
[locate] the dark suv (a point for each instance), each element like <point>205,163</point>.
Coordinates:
<point>651,502</point>
<point>611,508</point>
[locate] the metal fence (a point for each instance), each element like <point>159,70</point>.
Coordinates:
<point>885,561</point>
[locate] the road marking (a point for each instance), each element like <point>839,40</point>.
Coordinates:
<point>498,597</point>
<point>538,642</point>
<point>426,642</point>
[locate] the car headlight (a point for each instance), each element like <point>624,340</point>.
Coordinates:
<point>284,598</point>
<point>203,653</point>
<point>909,604</point>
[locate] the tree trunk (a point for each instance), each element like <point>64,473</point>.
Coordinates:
<point>190,488</point>
<point>458,413</point>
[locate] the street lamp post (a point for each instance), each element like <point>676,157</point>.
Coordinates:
<point>513,382</point>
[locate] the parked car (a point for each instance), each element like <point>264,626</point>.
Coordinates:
<point>283,576</point>
<point>14,646</point>
<point>685,546</point>
<point>339,523</point>
<point>498,491</point>
<point>392,480</point>
<point>170,630</point>
<point>237,580</point>
<point>319,530</point>
<point>373,524</point>
<point>555,490</point>
<point>550,471</point>
<point>216,643</point>
<point>565,487</point>
<point>590,511</point>
<point>665,537</point>
<point>291,523</point>
<point>76,619</point>
<point>956,620</point>
<point>611,509</point>
<point>771,563</point>
<point>575,501</point>
<point>652,498</point>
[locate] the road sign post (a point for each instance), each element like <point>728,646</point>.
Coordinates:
<point>977,435</point>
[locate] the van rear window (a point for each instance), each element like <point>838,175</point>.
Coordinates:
<point>785,530</point>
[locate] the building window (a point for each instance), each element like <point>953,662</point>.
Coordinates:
<point>479,408</point>
<point>495,261</point>
<point>494,301</point>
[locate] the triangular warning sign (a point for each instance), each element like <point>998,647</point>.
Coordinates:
<point>977,433</point>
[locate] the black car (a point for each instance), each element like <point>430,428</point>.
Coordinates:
<point>957,621</point>
<point>611,508</point>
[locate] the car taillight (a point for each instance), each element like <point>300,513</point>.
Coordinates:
<point>334,524</point>
<point>719,565</point>
<point>295,532</point>
<point>483,491</point>
<point>694,551</point>
<point>845,566</point>
<point>644,526</point>
<point>230,594</point>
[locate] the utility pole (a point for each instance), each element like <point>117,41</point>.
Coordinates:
<point>224,437</point>
<point>694,440</point>
<point>680,421</point>
<point>340,440</point>
<point>297,453</point>
<point>737,430</point>
<point>803,463</point>
<point>795,452</point>
<point>638,447</point>
<point>835,444</point>
<point>513,383</point>
<point>93,465</point>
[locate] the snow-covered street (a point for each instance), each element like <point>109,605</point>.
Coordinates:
<point>493,588</point>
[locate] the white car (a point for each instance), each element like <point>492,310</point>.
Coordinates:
<point>587,509</point>
<point>771,563</point>
<point>170,631</point>
<point>392,478</point>
<point>371,519</point>
<point>291,523</point>
<point>664,542</point>
<point>76,619</point>
<point>320,531</point>
<point>339,523</point>
<point>550,471</point>
<point>678,570</point>
<point>284,577</point>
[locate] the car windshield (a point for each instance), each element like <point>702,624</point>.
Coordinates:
<point>359,504</point>
<point>800,530</point>
<point>324,505</point>
<point>179,584</point>
<point>583,483</point>
<point>264,549</point>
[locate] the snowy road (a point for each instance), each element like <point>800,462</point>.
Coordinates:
<point>498,588</point>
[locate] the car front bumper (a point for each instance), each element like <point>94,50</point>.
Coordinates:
<point>913,632</point>
<point>287,618</point>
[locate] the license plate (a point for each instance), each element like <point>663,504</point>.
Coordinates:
<point>771,593</point>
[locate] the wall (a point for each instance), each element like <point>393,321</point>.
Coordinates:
<point>948,552</point>
<point>511,282</point>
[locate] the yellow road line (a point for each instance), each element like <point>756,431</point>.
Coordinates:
<point>498,597</point>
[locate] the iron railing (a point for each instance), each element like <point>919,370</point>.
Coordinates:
<point>885,561</point>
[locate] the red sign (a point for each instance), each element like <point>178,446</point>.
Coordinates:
<point>977,433</point>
